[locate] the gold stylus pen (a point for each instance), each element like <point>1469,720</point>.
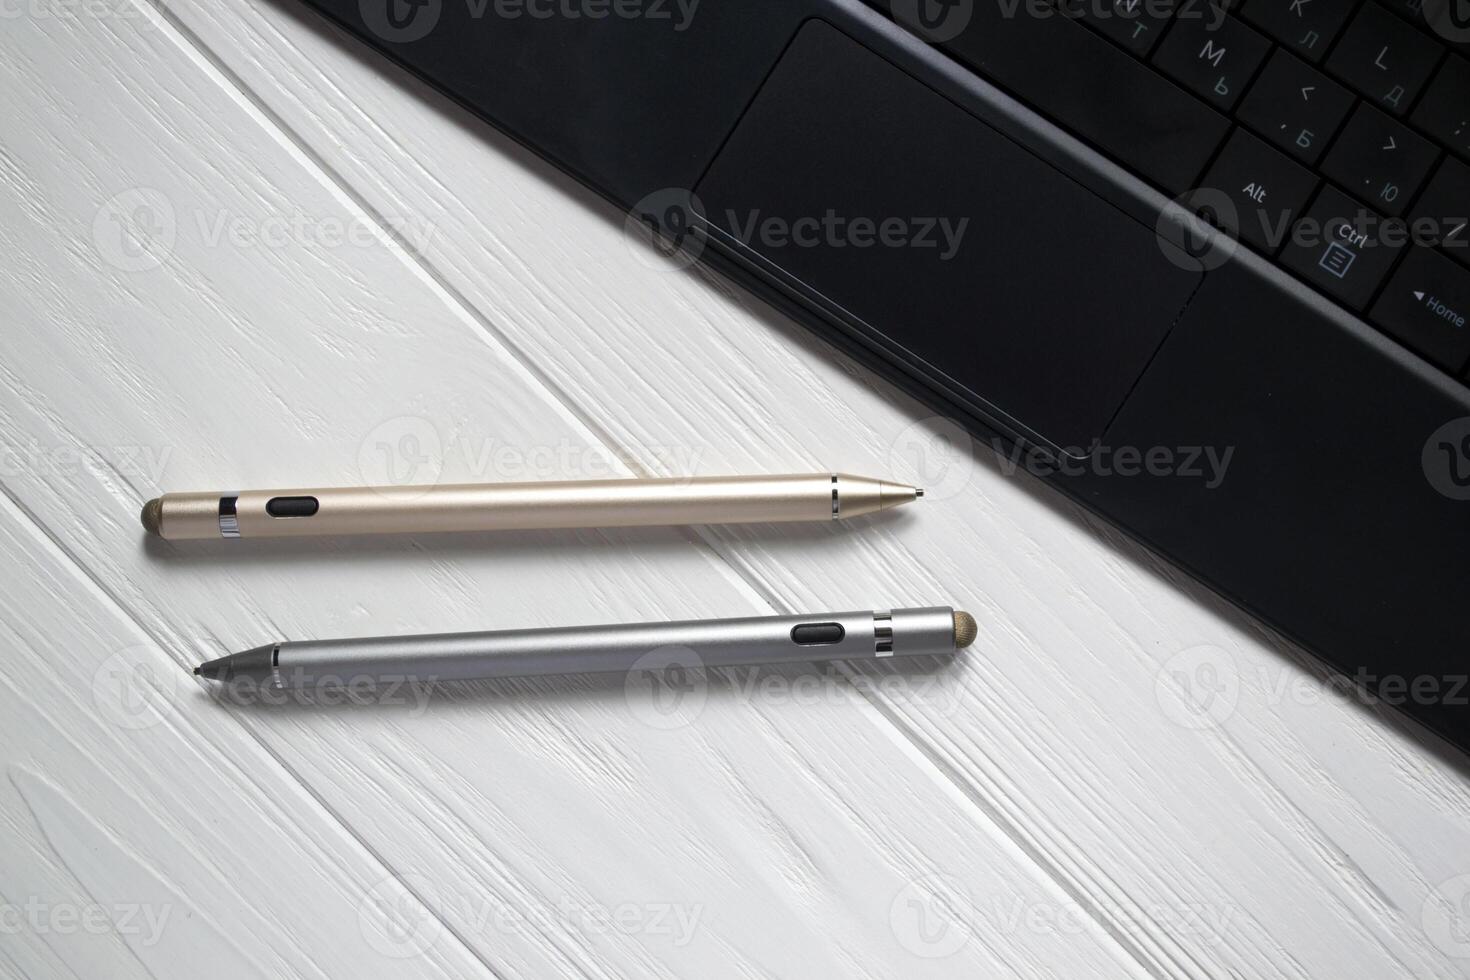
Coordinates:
<point>520,506</point>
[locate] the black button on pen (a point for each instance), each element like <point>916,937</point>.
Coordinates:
<point>292,506</point>
<point>817,634</point>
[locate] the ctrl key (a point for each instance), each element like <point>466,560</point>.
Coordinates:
<point>1427,307</point>
<point>1343,248</point>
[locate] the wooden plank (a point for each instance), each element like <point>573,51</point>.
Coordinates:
<point>191,301</point>
<point>1318,831</point>
<point>146,838</point>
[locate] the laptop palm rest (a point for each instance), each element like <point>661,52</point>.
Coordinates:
<point>945,240</point>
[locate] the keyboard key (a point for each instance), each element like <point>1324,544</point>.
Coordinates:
<point>1135,24</point>
<point>1450,20</point>
<point>1089,85</point>
<point>1385,58</point>
<point>1381,161</point>
<point>1296,107</point>
<point>1440,17</point>
<point>1265,190</point>
<point>1445,111</point>
<point>1446,204</point>
<point>1307,27</point>
<point>1427,307</point>
<point>1213,54</point>
<point>1340,246</point>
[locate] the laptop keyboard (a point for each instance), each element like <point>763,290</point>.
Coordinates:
<point>1332,136</point>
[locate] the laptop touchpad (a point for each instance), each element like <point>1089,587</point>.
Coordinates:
<point>956,244</point>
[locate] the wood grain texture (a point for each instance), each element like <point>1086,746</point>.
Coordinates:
<point>143,838</point>
<point>1056,804</point>
<point>1318,832</point>
<point>194,300</point>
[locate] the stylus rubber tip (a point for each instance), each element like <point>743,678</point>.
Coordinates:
<point>965,630</point>
<point>153,516</point>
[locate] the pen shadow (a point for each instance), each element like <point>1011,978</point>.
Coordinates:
<point>661,697</point>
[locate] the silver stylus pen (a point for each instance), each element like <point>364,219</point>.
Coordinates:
<point>600,649</point>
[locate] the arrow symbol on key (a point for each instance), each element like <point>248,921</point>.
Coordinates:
<point>1307,91</point>
<point>1391,144</point>
<point>1419,296</point>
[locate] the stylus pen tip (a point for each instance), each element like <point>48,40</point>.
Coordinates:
<point>965,629</point>
<point>153,516</point>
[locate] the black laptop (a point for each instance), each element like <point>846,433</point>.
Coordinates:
<point>1204,267</point>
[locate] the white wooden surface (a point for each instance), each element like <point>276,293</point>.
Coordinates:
<point>239,251</point>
